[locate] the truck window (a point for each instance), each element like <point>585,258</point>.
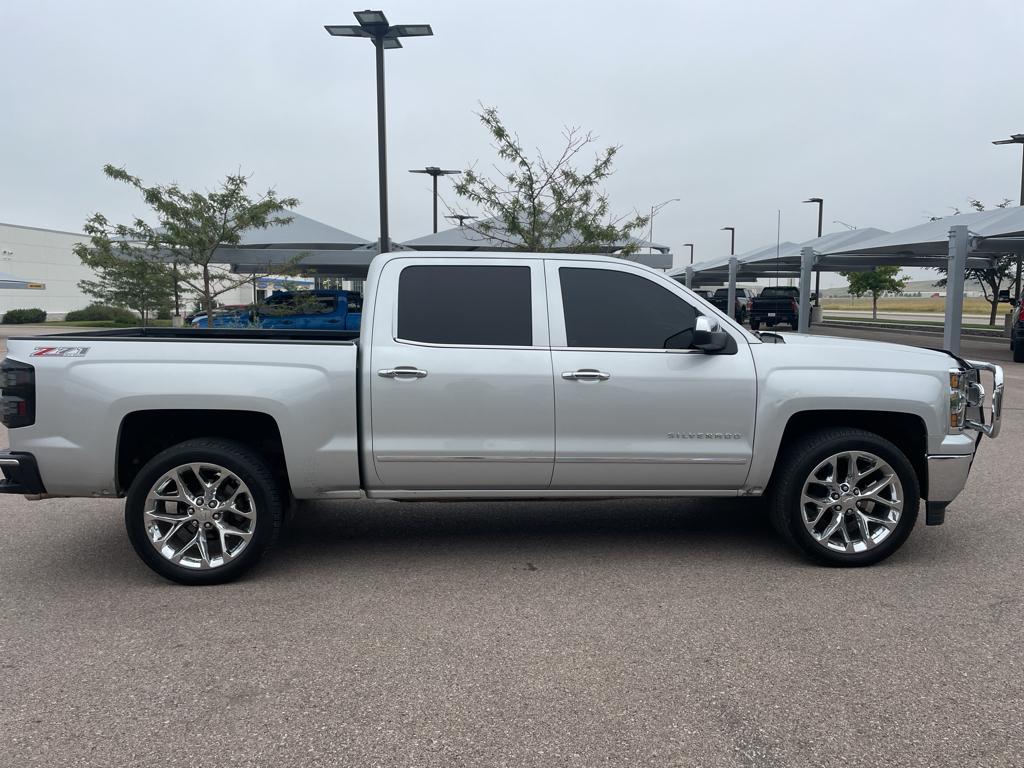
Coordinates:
<point>466,305</point>
<point>606,308</point>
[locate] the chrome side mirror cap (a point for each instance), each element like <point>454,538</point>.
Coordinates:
<point>708,335</point>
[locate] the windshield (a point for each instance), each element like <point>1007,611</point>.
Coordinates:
<point>781,291</point>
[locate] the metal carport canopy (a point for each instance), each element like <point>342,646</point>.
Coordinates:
<point>955,242</point>
<point>469,238</point>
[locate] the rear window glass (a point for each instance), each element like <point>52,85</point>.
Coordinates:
<point>473,305</point>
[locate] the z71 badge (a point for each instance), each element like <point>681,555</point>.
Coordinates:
<point>59,352</point>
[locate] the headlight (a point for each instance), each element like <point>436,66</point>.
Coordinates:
<point>957,398</point>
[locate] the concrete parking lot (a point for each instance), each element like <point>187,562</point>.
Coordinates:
<point>655,632</point>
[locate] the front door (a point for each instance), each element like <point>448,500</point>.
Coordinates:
<point>635,407</point>
<point>461,386</point>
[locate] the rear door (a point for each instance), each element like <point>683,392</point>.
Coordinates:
<point>461,393</point>
<point>630,413</point>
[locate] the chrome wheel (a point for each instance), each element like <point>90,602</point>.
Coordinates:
<point>851,502</point>
<point>199,516</point>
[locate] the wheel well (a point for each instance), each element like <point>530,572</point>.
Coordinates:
<point>905,430</point>
<point>144,434</point>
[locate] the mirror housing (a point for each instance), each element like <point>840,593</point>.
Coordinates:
<point>708,335</point>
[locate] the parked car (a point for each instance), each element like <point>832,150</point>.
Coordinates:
<point>776,305</point>
<point>1017,333</point>
<point>744,296</point>
<point>483,378</point>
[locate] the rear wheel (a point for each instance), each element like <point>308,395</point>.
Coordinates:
<point>845,497</point>
<point>1018,353</point>
<point>754,324</point>
<point>204,511</point>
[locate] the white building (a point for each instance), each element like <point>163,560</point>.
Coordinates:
<point>46,256</point>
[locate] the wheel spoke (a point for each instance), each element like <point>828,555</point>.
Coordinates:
<point>170,532</point>
<point>164,517</point>
<point>204,548</point>
<point>176,557</point>
<point>837,520</point>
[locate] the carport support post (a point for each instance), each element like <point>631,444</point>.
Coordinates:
<point>689,277</point>
<point>958,245</point>
<point>806,266</point>
<point>734,266</point>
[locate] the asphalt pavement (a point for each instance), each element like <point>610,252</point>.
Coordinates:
<point>624,633</point>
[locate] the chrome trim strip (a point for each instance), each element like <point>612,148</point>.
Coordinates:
<point>10,463</point>
<point>545,493</point>
<point>515,459</point>
<point>560,460</point>
<point>641,460</point>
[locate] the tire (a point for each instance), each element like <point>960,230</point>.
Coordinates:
<point>755,324</point>
<point>1018,353</point>
<point>237,524</point>
<point>847,545</point>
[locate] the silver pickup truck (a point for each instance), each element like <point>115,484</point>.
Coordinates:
<point>500,377</point>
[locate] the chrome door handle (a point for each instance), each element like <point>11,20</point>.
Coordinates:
<point>586,374</point>
<point>402,371</point>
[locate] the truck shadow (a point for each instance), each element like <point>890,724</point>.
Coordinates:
<point>710,528</point>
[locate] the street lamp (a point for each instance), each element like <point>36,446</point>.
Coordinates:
<point>690,246</point>
<point>817,272</point>
<point>732,243</point>
<point>1016,138</point>
<point>654,210</point>
<point>434,172</point>
<point>374,25</point>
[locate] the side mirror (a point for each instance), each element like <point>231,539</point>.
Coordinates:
<point>708,335</point>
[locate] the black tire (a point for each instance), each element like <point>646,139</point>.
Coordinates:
<point>1018,353</point>
<point>250,467</point>
<point>795,466</point>
<point>755,324</point>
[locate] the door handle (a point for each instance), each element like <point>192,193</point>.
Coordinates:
<point>401,372</point>
<point>586,374</point>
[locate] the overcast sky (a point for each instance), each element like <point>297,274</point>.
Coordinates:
<point>886,109</point>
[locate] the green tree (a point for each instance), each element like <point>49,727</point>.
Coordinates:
<point>878,281</point>
<point>534,204</point>
<point>991,279</point>
<point>192,225</point>
<point>127,274</point>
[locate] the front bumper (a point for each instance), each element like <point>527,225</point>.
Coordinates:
<point>21,474</point>
<point>947,476</point>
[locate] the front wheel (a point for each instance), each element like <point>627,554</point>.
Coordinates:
<point>1018,353</point>
<point>204,511</point>
<point>845,497</point>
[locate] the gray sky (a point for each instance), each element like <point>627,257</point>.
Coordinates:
<point>884,109</point>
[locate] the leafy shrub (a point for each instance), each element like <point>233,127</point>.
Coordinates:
<point>95,312</point>
<point>18,316</point>
<point>164,313</point>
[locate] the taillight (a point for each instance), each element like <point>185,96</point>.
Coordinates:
<point>17,394</point>
<point>1020,315</point>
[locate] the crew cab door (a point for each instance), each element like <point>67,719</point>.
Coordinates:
<point>629,413</point>
<point>460,376</point>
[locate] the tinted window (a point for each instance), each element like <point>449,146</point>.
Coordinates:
<point>465,305</point>
<point>604,308</point>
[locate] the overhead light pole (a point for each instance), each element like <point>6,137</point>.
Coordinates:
<point>817,272</point>
<point>374,26</point>
<point>732,239</point>
<point>434,172</point>
<point>690,246</point>
<point>1017,138</point>
<point>654,211</point>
